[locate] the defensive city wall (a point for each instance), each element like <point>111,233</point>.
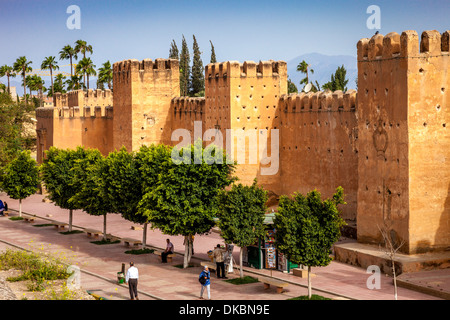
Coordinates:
<point>387,145</point>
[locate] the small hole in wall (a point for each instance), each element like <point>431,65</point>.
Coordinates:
<point>444,125</point>
<point>421,70</point>
<point>442,90</point>
<point>424,124</point>
<point>438,107</point>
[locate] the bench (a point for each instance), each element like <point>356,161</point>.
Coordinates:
<point>128,242</point>
<point>111,238</point>
<point>6,213</point>
<point>169,256</point>
<point>210,265</point>
<point>92,232</point>
<point>28,219</point>
<point>58,225</point>
<point>277,283</point>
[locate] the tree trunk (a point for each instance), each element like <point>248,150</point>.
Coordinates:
<point>186,252</point>
<point>20,207</point>
<point>70,220</point>
<point>309,282</point>
<point>9,91</point>
<point>71,67</point>
<point>144,235</point>
<point>241,270</point>
<point>104,227</point>
<point>25,88</point>
<point>395,280</point>
<point>51,78</point>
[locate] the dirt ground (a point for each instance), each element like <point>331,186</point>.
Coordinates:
<point>54,290</point>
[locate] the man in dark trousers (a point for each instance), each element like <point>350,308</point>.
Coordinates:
<point>132,280</point>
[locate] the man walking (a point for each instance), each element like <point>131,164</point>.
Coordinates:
<point>220,263</point>
<point>132,280</point>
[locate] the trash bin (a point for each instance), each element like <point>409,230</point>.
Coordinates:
<point>120,277</point>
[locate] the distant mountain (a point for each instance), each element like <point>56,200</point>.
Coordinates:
<point>324,66</point>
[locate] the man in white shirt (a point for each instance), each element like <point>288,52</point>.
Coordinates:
<point>132,280</point>
<point>169,250</point>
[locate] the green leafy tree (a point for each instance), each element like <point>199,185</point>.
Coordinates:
<point>241,215</point>
<point>185,70</point>
<point>22,65</point>
<point>21,178</point>
<point>151,161</point>
<point>7,71</point>
<point>338,80</point>
<point>58,175</point>
<point>198,77</point>
<point>173,52</point>
<point>292,88</point>
<point>59,83</point>
<point>307,228</point>
<point>213,53</point>
<point>13,138</point>
<point>88,173</point>
<point>122,184</point>
<point>184,199</point>
<point>105,74</point>
<point>51,64</point>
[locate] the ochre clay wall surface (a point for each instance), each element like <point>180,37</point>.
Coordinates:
<point>403,165</point>
<point>142,101</point>
<point>319,145</point>
<point>388,145</point>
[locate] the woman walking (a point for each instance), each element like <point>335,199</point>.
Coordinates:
<point>204,279</point>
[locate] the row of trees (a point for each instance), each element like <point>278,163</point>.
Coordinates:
<point>79,76</point>
<point>180,199</point>
<point>192,79</point>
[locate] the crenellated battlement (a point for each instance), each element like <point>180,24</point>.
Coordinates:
<point>246,69</point>
<point>122,69</point>
<point>322,101</point>
<point>75,112</point>
<point>405,45</point>
<point>185,105</point>
<point>83,98</point>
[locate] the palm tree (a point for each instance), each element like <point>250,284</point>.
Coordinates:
<point>74,83</point>
<point>68,53</point>
<point>50,63</point>
<point>303,67</point>
<point>86,67</point>
<point>22,65</point>
<point>59,83</point>
<point>105,74</point>
<point>81,46</point>
<point>7,71</point>
<point>38,84</point>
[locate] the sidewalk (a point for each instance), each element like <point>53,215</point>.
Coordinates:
<point>164,281</point>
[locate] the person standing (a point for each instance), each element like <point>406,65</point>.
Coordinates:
<point>204,278</point>
<point>220,263</point>
<point>169,250</point>
<point>132,280</point>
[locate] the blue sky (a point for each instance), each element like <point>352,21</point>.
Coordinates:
<point>240,30</point>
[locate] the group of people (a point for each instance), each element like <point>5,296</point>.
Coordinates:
<point>219,254</point>
<point>3,207</point>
